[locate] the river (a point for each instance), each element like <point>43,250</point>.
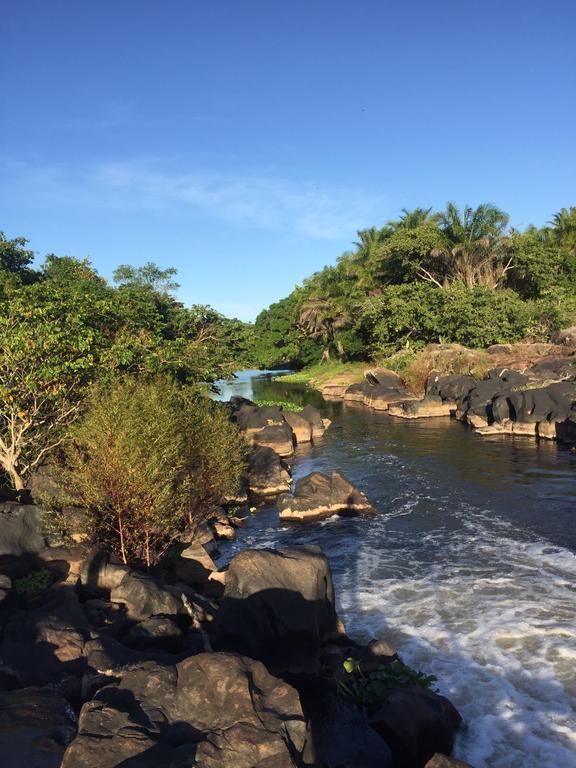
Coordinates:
<point>468,569</point>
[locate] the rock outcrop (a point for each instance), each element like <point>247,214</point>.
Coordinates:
<point>318,496</point>
<point>212,710</point>
<point>278,607</point>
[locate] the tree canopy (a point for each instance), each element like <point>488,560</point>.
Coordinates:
<point>458,275</point>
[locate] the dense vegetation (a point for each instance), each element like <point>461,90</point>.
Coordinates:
<point>103,388</point>
<point>456,276</point>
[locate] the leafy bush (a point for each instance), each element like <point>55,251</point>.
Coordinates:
<point>33,583</point>
<point>215,455</point>
<point>369,689</point>
<point>285,405</point>
<point>146,460</point>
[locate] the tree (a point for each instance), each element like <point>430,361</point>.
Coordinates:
<point>320,318</point>
<point>50,343</point>
<point>415,218</point>
<point>564,228</point>
<point>476,250</point>
<point>160,280</point>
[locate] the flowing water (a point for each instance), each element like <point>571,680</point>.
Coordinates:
<point>469,567</point>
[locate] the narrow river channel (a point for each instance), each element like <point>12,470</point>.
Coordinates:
<point>469,568</point>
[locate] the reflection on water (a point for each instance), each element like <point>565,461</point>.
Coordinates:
<point>469,567</point>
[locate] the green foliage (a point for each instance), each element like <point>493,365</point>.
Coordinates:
<point>284,404</point>
<point>147,459</point>
<point>457,276</point>
<point>63,327</point>
<point>369,689</point>
<point>215,455</point>
<point>33,583</point>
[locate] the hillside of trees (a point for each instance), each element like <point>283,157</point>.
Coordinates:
<point>457,276</point>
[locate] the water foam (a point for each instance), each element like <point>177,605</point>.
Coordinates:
<point>494,618</point>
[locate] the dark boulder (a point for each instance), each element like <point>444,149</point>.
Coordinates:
<point>161,632</point>
<point>267,473</point>
<point>451,387</point>
<point>300,426</point>
<point>314,418</point>
<point>36,726</point>
<point>144,597</point>
<point>43,641</point>
<point>318,496</point>
<point>416,724</point>
<point>278,607</point>
<point>559,369</point>
<point>211,711</point>
<point>99,573</point>
<point>530,406</point>
<point>20,528</point>
<point>279,437</point>
<point>339,731</point>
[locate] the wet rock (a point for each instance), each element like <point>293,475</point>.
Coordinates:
<point>416,724</point>
<point>278,607</point>
<point>430,407</point>
<point>300,426</point>
<point>144,597</point>
<point>318,496</point>
<point>211,710</point>
<point>318,424</point>
<point>279,437</point>
<point>268,474</point>
<point>20,528</point>
<point>36,725</point>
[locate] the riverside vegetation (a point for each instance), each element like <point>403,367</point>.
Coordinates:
<point>459,276</point>
<point>105,420</point>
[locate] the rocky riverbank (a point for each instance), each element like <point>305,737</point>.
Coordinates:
<point>185,665</point>
<point>530,390</point>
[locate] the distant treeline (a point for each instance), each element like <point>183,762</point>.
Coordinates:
<point>459,276</point>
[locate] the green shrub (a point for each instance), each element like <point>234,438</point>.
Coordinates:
<point>284,404</point>
<point>369,689</point>
<point>33,583</point>
<point>146,460</point>
<point>215,456</point>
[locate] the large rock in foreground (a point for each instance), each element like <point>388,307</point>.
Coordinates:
<point>318,496</point>
<point>214,710</point>
<point>278,607</point>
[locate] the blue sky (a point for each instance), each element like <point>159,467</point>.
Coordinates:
<point>245,141</point>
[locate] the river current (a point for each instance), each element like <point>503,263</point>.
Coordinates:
<point>468,569</point>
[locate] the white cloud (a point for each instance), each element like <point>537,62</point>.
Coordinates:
<point>260,200</point>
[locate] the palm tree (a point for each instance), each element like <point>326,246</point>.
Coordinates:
<point>415,218</point>
<point>564,228</point>
<point>320,318</point>
<point>476,249</point>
